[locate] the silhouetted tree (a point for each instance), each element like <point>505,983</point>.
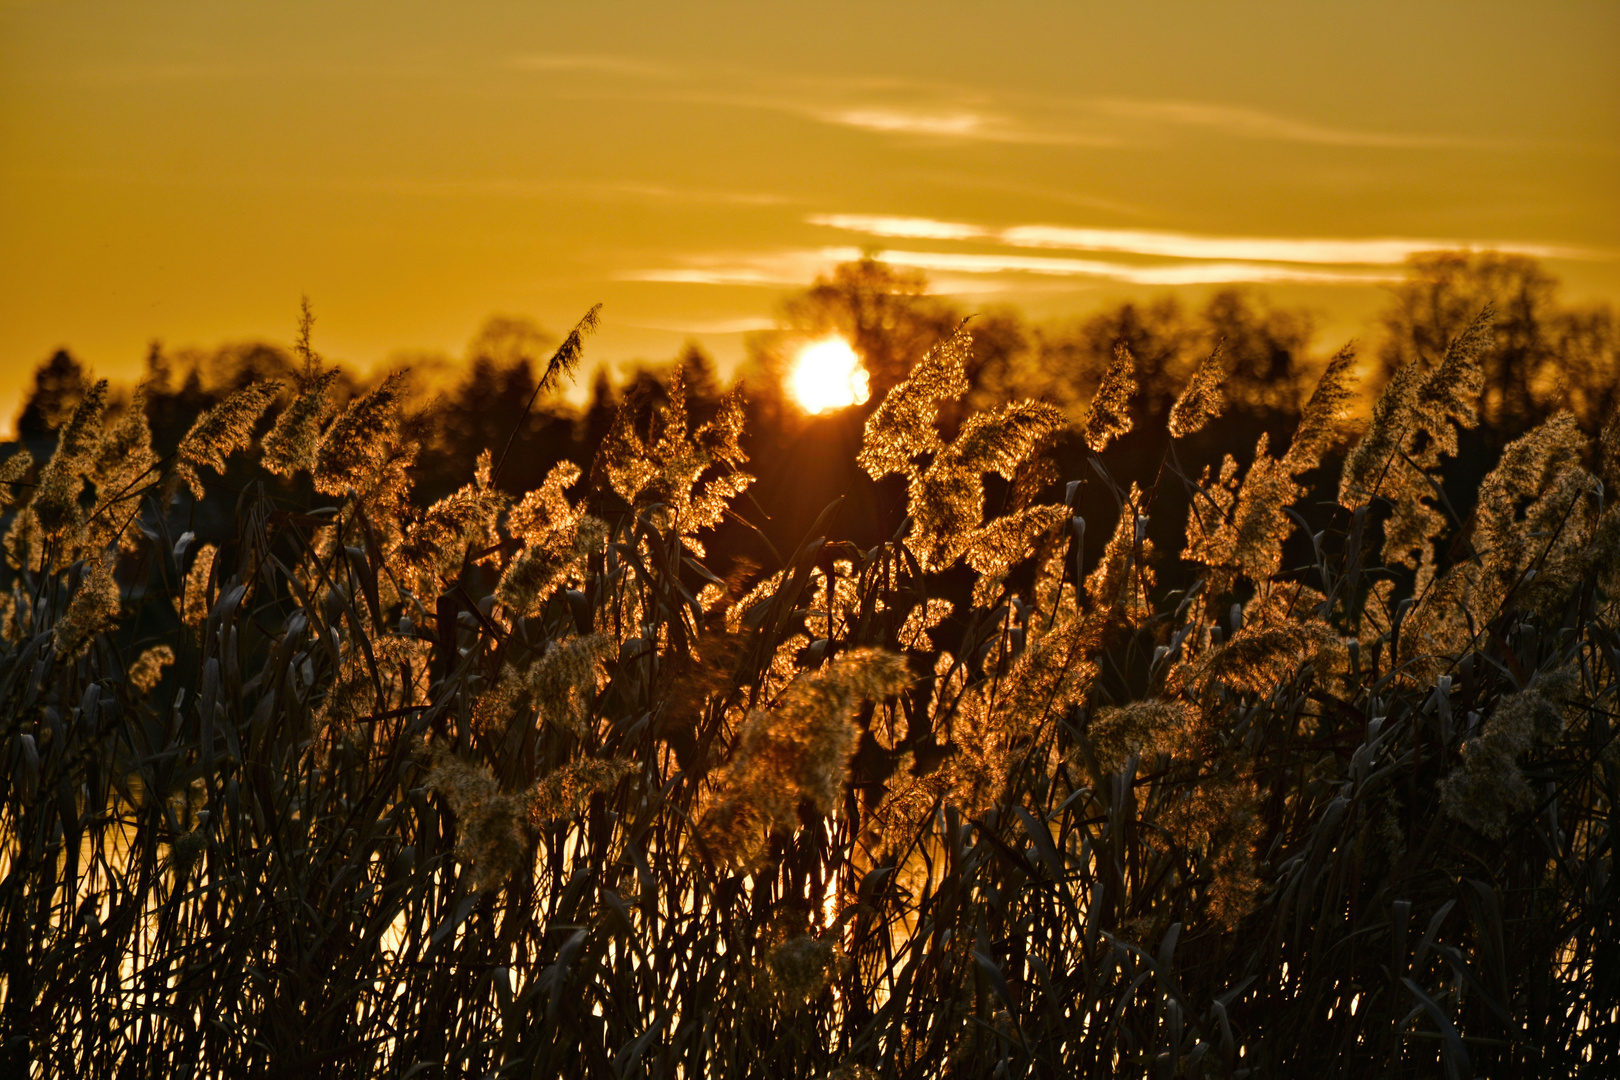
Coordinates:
<point>1547,356</point>
<point>600,411</point>
<point>1264,352</point>
<point>177,387</point>
<point>59,384</point>
<point>885,313</point>
<point>508,341</point>
<point>231,367</point>
<point>171,408</point>
<point>1585,347</point>
<point>700,379</point>
<point>489,407</point>
<point>1161,337</point>
<point>1266,356</point>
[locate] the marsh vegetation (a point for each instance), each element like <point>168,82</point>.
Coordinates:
<point>1066,744</point>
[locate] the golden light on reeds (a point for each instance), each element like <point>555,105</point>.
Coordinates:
<point>827,374</point>
<point>452,723</point>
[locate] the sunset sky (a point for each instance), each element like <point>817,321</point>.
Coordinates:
<point>185,171</point>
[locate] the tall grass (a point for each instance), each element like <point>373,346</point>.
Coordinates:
<point>498,788</point>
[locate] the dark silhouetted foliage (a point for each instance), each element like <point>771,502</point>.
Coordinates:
<point>977,774</point>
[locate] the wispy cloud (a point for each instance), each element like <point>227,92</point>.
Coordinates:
<point>946,122</point>
<point>1385,251</point>
<point>958,125</point>
<point>949,112</point>
<point>798,266</point>
<point>1257,124</point>
<point>1382,252</point>
<point>1203,273</point>
<point>911,228</point>
<point>933,110</point>
<point>789,267</point>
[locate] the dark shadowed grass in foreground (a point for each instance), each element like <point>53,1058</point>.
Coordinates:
<point>520,788</point>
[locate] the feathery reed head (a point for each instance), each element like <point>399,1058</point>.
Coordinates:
<point>1374,455</point>
<point>221,431</point>
<point>1202,400</point>
<point>290,446</point>
<point>92,611</point>
<point>126,460</point>
<point>356,447</point>
<point>12,471</point>
<point>1143,728</point>
<point>564,679</point>
<point>800,968</point>
<point>147,669</point>
<point>61,480</point>
<point>1110,413</point>
<point>564,791</point>
<point>1322,414</point>
<point>1261,655</point>
<point>1490,788</point>
<point>946,500</point>
<point>798,749</point>
<point>192,603</point>
<point>565,361</point>
<point>901,429</point>
<point>493,827</point>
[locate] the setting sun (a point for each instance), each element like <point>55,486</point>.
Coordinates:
<point>828,375</point>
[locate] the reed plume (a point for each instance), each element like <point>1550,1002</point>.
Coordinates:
<point>221,431</point>
<point>1201,400</point>
<point>797,749</point>
<point>1109,416</point>
<point>55,506</point>
<point>487,786</point>
<point>355,449</point>
<point>291,444</point>
<point>1490,789</point>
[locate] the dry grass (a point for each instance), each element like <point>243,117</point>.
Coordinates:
<point>488,789</point>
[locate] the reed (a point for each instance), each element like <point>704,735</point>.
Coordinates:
<point>521,787</point>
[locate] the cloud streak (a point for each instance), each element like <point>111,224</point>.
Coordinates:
<point>789,267</point>
<point>1152,258</point>
<point>1205,273</point>
<point>1386,251</point>
<point>1098,122</point>
<point>933,110</point>
<point>1257,124</point>
<point>960,124</point>
<point>951,123</point>
<point>910,228</point>
<point>797,266</point>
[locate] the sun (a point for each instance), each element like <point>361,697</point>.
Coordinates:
<point>827,375</point>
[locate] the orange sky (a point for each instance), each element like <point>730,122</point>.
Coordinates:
<point>185,171</point>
